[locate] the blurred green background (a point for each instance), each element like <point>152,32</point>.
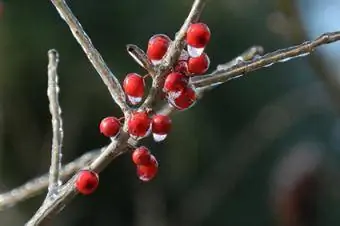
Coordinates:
<point>260,150</point>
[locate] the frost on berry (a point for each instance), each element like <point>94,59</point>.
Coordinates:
<point>198,65</point>
<point>139,124</point>
<point>148,172</point>
<point>197,37</point>
<point>87,182</point>
<point>134,86</point>
<point>185,100</point>
<point>161,125</point>
<point>157,48</point>
<point>109,126</point>
<point>141,156</point>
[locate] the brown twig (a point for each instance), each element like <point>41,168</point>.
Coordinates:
<point>57,123</point>
<point>140,57</point>
<point>92,54</point>
<point>267,60</point>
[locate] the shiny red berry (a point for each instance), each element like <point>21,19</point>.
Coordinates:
<point>175,82</point>
<point>109,126</point>
<point>198,65</point>
<point>161,124</point>
<point>198,35</point>
<point>87,182</point>
<point>157,46</point>
<point>141,156</point>
<point>185,100</point>
<point>149,171</point>
<point>133,85</point>
<point>139,124</point>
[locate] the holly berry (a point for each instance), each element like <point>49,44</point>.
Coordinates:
<point>139,124</point>
<point>161,124</point>
<point>149,171</point>
<point>198,65</point>
<point>175,82</point>
<point>182,67</point>
<point>185,100</point>
<point>157,47</point>
<point>133,86</point>
<point>87,182</point>
<point>141,156</point>
<point>198,35</point>
<point>109,126</point>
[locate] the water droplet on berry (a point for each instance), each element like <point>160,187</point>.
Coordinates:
<point>156,62</point>
<point>134,100</point>
<point>159,137</point>
<point>195,52</point>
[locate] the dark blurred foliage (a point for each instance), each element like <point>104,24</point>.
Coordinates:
<point>260,150</point>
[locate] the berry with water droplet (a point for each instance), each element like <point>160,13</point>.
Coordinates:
<point>198,35</point>
<point>175,82</point>
<point>141,156</point>
<point>87,182</point>
<point>109,126</point>
<point>161,124</point>
<point>133,86</point>
<point>139,124</point>
<point>185,100</point>
<point>149,171</point>
<point>198,65</point>
<point>157,47</point>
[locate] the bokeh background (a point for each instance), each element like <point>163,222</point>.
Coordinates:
<point>260,150</point>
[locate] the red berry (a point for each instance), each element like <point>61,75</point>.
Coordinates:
<point>182,67</point>
<point>185,100</point>
<point>87,182</point>
<point>199,65</point>
<point>161,124</point>
<point>198,35</point>
<point>133,85</point>
<point>139,124</point>
<point>147,172</point>
<point>141,156</point>
<point>175,82</point>
<point>157,46</point>
<point>109,126</point>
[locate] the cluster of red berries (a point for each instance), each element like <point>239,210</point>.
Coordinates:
<point>178,92</point>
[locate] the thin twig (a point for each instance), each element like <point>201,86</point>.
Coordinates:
<point>140,57</point>
<point>57,123</point>
<point>267,60</point>
<point>38,185</point>
<point>173,53</point>
<point>92,54</point>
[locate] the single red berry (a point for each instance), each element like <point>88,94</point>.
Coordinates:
<point>199,65</point>
<point>175,82</point>
<point>148,172</point>
<point>141,156</point>
<point>109,126</point>
<point>139,124</point>
<point>157,46</point>
<point>182,67</point>
<point>185,100</point>
<point>133,85</point>
<point>161,124</point>
<point>87,182</point>
<point>198,35</point>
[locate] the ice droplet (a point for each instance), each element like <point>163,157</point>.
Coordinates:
<point>156,62</point>
<point>134,100</point>
<point>174,95</point>
<point>194,52</point>
<point>159,137</point>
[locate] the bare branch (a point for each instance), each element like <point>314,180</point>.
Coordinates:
<point>173,53</point>
<point>267,60</point>
<point>92,54</point>
<point>140,57</point>
<point>57,123</point>
<point>38,185</point>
